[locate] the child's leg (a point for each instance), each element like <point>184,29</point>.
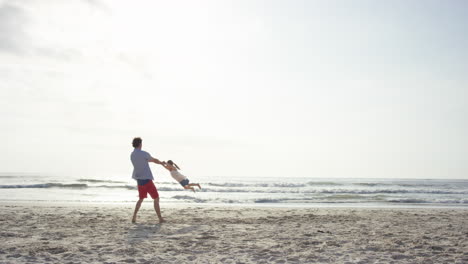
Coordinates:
<point>195,184</point>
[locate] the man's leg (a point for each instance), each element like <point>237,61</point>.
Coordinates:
<point>137,207</point>
<point>158,210</point>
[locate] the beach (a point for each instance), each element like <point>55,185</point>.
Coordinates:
<point>103,233</point>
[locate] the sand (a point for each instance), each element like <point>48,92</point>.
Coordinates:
<point>94,233</point>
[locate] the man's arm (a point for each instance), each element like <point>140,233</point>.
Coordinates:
<point>155,161</point>
<point>165,165</point>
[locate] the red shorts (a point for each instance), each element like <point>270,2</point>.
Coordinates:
<point>148,188</point>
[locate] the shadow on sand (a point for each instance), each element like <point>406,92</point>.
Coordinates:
<point>140,232</point>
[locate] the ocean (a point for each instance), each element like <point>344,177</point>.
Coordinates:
<point>284,192</point>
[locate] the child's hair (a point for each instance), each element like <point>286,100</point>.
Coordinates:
<point>170,162</point>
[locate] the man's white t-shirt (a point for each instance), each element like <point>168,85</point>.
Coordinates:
<point>141,169</point>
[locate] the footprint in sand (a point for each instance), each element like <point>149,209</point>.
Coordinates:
<point>14,256</point>
<point>56,250</point>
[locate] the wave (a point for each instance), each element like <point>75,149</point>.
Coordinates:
<point>189,198</point>
<point>98,181</point>
<point>329,191</point>
<point>303,200</point>
<point>345,196</point>
<point>325,200</point>
<point>268,200</point>
<point>184,197</point>
<point>436,201</point>
<point>312,183</point>
<point>61,185</point>
<point>368,184</point>
<point>228,184</point>
<point>45,185</point>
<point>80,186</point>
<point>407,200</point>
<point>414,185</point>
<point>272,188</point>
<point>237,185</point>
<point>391,191</point>
<point>129,187</point>
<point>170,189</point>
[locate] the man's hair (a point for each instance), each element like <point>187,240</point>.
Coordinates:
<point>136,142</point>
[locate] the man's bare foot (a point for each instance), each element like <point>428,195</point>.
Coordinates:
<point>161,220</point>
<point>133,220</point>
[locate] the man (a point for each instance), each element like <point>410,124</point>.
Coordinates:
<point>142,174</point>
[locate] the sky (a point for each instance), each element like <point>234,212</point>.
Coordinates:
<point>310,89</point>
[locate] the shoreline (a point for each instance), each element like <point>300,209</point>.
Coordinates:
<point>246,205</point>
<point>84,233</point>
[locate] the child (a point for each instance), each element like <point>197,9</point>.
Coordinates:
<point>173,168</point>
